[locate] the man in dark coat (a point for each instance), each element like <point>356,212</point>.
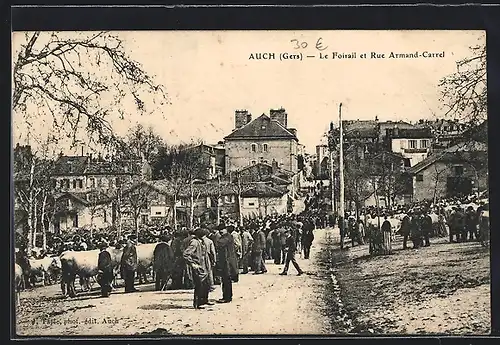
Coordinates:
<point>415,230</point>
<point>128,265</point>
<point>105,270</point>
<point>276,245</point>
<point>163,263</point>
<point>178,260</point>
<point>291,248</point>
<point>405,230</point>
<point>471,224</point>
<point>259,245</point>
<point>426,225</point>
<point>307,238</point>
<point>227,265</point>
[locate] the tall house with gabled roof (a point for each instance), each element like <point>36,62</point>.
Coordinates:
<point>266,139</point>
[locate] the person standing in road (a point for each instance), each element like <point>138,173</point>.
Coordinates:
<point>415,230</point>
<point>227,266</point>
<point>196,256</point>
<point>426,226</point>
<point>259,246</point>
<point>386,237</point>
<point>210,258</point>
<point>129,265</point>
<point>405,230</point>
<point>307,238</point>
<point>105,270</point>
<point>291,248</point>
<point>246,248</point>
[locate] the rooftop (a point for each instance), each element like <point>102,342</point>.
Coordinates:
<point>262,127</point>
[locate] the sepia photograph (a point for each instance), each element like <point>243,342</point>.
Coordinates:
<point>195,183</point>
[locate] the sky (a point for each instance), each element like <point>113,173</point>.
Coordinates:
<point>208,75</point>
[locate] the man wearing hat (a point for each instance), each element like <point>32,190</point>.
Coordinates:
<point>290,248</point>
<point>129,264</point>
<point>196,255</point>
<point>227,265</point>
<point>105,269</point>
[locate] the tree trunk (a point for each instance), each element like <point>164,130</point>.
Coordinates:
<point>35,220</point>
<point>191,205</point>
<point>136,225</point>
<point>174,209</point>
<point>44,228</point>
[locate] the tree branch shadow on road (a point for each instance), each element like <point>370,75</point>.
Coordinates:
<point>159,306</point>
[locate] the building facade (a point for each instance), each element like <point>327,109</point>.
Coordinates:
<point>262,140</point>
<point>414,144</point>
<point>458,170</point>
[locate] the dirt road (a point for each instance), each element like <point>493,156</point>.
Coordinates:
<point>441,289</point>
<point>262,304</point>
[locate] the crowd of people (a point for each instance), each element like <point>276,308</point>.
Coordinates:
<point>200,258</point>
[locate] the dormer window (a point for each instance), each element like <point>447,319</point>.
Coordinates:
<point>254,148</point>
<point>264,147</point>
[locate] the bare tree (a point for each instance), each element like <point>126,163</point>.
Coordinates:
<point>134,201</point>
<point>464,92</point>
<point>141,142</point>
<point>181,165</point>
<point>57,72</point>
<point>32,187</point>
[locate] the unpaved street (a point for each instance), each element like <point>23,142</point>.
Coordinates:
<point>262,304</point>
<point>441,289</point>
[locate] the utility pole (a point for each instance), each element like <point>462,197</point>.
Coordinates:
<point>341,172</point>
<point>332,182</point>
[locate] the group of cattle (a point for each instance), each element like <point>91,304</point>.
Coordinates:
<point>70,264</point>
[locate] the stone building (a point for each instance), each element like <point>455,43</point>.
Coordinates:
<point>457,170</point>
<point>262,140</point>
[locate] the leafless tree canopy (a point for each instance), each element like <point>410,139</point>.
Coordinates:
<point>80,81</point>
<point>464,92</point>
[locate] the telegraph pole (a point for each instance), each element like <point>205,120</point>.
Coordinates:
<point>332,181</point>
<point>341,172</point>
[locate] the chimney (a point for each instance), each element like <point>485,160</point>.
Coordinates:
<point>241,118</point>
<point>331,126</point>
<point>376,118</point>
<point>279,115</point>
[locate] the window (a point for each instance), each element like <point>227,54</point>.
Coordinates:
<point>61,183</point>
<point>117,181</point>
<point>104,216</point>
<point>92,182</point>
<point>424,143</point>
<point>420,178</point>
<point>66,182</point>
<point>253,162</point>
<point>229,199</point>
<point>264,147</point>
<point>80,184</point>
<point>158,212</point>
<point>254,147</point>
<point>412,144</point>
<point>74,184</point>
<point>251,204</point>
<point>459,170</point>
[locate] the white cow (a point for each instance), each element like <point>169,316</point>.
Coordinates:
<point>83,264</point>
<point>144,259</point>
<point>44,267</point>
<point>19,283</point>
